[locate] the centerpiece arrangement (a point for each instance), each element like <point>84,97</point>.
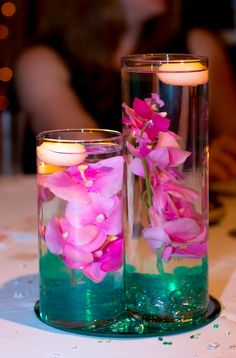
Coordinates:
<point>126,254</point>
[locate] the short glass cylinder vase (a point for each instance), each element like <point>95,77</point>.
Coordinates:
<point>80,179</point>
<point>165,117</point>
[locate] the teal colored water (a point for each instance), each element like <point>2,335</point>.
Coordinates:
<point>68,298</point>
<point>169,297</point>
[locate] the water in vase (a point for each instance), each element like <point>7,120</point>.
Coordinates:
<point>165,136</point>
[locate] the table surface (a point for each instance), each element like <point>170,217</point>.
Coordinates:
<point>24,336</point>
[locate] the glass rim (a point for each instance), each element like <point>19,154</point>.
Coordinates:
<point>163,58</point>
<point>113,135</point>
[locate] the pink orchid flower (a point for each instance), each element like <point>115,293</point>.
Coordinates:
<point>142,117</point>
<point>154,101</point>
<point>175,234</point>
<point>110,260</point>
<point>63,240</point>
<point>102,212</point>
<point>77,182</point>
<point>83,248</point>
<point>167,152</point>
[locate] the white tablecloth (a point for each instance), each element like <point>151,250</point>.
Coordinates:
<point>22,335</point>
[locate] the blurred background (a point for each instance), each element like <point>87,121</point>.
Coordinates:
<point>22,20</point>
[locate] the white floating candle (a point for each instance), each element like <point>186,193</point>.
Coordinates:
<point>183,74</point>
<point>61,154</point>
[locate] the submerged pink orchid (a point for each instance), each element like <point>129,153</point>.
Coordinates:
<point>156,155</point>
<point>84,248</point>
<point>89,236</point>
<point>145,119</point>
<point>182,237</point>
<point>77,182</point>
<point>102,212</point>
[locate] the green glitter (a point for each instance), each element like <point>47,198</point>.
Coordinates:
<point>169,297</point>
<point>165,343</point>
<point>169,343</point>
<point>160,338</point>
<point>216,325</point>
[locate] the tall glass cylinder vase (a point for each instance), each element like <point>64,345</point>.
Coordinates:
<point>165,115</point>
<point>80,179</point>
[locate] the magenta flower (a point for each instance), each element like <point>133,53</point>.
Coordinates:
<point>168,152</point>
<point>175,228</point>
<point>77,182</point>
<point>178,236</point>
<point>143,117</point>
<point>84,248</point>
<point>102,212</point>
<point>154,101</point>
<point>110,260</point>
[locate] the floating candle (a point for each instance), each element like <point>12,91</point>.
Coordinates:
<point>183,74</point>
<point>61,154</point>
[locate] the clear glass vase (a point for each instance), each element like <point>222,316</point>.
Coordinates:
<point>165,120</point>
<point>80,179</point>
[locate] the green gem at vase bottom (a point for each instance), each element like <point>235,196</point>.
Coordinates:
<point>168,299</point>
<point>69,299</point>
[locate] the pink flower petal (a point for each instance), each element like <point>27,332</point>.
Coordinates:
<point>44,195</point>
<point>42,180</point>
<point>62,185</point>
<point>96,243</point>
<point>154,99</point>
<point>168,139</point>
<point>103,204</point>
<point>192,251</point>
<point>177,156</point>
<point>112,258</point>
<point>136,167</point>
<point>80,215</point>
<point>182,229</point>
<point>132,119</point>
<point>93,272</point>
<point>110,181</point>
<point>53,237</point>
<point>159,156</point>
<point>83,235</point>
<point>156,236</point>
<point>166,253</point>
<point>113,224</point>
<point>179,191</point>
<point>76,258</point>
<point>142,109</point>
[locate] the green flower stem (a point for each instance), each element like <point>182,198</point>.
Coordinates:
<point>148,186</point>
<point>160,266</point>
<point>73,278</point>
<point>148,194</point>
